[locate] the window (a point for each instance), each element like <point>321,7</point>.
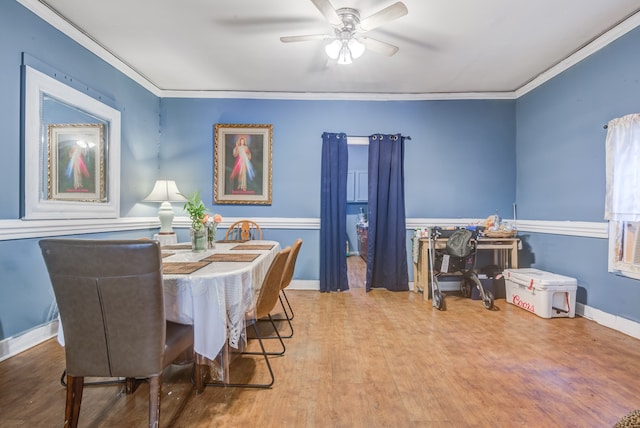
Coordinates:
<point>624,245</point>
<point>622,204</point>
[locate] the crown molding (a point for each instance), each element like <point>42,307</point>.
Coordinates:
<point>56,20</point>
<point>589,49</point>
<point>59,22</point>
<point>346,96</point>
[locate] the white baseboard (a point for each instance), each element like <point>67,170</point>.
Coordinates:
<point>300,284</point>
<point>304,284</point>
<point>12,346</point>
<point>613,322</point>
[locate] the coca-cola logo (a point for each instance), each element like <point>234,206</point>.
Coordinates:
<point>524,305</point>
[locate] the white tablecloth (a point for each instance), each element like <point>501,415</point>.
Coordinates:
<point>216,298</point>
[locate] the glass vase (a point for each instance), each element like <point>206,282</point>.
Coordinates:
<point>199,240</point>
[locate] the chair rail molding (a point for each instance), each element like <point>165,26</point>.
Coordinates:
<point>584,229</point>
<point>24,229</point>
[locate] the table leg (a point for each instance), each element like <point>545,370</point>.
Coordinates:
<point>425,271</point>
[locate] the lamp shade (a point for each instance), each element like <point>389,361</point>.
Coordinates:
<point>356,48</point>
<point>345,49</point>
<point>333,49</point>
<point>165,191</point>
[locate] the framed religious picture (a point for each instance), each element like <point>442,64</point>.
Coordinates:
<point>242,164</point>
<point>76,167</point>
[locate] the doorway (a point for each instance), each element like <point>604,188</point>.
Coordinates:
<point>357,210</point>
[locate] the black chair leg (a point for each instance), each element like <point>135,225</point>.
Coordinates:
<point>289,305</point>
<point>286,318</point>
<point>266,360</point>
<point>273,324</point>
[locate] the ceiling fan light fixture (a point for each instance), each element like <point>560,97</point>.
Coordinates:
<point>356,48</point>
<point>345,56</point>
<point>333,49</point>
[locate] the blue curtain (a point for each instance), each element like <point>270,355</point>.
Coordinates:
<point>387,249</point>
<point>333,213</point>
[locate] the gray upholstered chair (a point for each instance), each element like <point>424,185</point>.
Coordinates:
<point>243,230</point>
<point>111,303</point>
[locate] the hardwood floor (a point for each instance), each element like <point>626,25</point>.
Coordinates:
<point>377,359</point>
<point>356,271</point>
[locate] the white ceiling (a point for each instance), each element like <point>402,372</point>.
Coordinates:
<point>446,46</point>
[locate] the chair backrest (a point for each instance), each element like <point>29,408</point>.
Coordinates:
<point>290,266</point>
<point>244,230</point>
<point>270,289</point>
<point>111,303</point>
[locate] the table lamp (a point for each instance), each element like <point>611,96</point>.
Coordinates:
<point>165,191</point>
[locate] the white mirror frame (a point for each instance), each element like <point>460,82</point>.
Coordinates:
<point>35,172</point>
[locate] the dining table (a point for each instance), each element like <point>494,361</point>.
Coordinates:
<point>215,291</point>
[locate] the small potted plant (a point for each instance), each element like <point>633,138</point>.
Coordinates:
<point>196,209</point>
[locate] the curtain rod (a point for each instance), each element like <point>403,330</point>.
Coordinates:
<point>367,136</point>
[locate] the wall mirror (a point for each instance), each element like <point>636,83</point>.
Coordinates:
<point>71,152</point>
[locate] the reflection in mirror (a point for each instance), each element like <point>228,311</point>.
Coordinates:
<point>71,152</point>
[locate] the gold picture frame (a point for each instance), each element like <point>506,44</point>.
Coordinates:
<point>76,166</point>
<point>242,164</point>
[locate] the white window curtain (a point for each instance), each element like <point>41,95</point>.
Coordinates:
<point>623,169</point>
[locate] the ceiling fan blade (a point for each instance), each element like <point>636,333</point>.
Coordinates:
<point>290,39</point>
<point>374,45</point>
<point>383,16</point>
<point>329,12</point>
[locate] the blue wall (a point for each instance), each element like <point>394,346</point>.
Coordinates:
<point>560,156</point>
<point>466,159</point>
<point>459,163</point>
<point>26,296</point>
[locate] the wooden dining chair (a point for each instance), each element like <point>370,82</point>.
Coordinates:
<point>266,301</point>
<point>287,277</point>
<point>244,230</point>
<point>111,301</point>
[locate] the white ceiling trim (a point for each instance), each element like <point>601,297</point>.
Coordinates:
<point>337,96</point>
<point>591,48</point>
<point>84,40</point>
<point>87,42</point>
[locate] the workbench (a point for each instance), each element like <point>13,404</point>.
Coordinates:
<point>505,255</point>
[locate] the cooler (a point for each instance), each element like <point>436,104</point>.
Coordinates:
<point>546,294</point>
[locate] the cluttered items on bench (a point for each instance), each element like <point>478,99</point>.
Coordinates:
<point>494,227</point>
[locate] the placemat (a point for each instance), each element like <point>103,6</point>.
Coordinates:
<point>177,247</point>
<point>166,254</point>
<point>231,241</point>
<point>226,257</point>
<point>253,247</point>
<point>178,268</point>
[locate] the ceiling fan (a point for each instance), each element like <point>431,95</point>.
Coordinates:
<point>348,42</point>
